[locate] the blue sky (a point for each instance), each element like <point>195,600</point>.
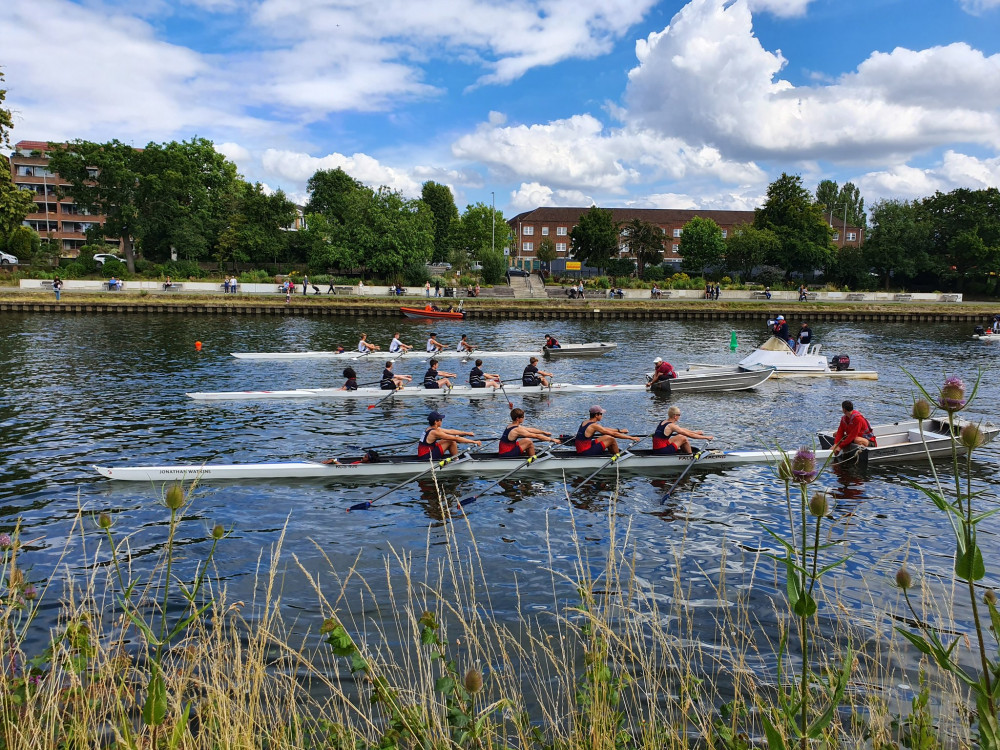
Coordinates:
<point>542,102</point>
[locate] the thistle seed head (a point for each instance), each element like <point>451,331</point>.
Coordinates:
<point>175,497</point>
<point>903,579</point>
<point>921,409</point>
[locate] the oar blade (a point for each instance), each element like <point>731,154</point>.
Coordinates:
<point>360,506</point>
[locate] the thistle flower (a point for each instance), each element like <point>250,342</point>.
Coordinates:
<point>972,437</point>
<point>804,466</point>
<point>175,497</point>
<point>218,531</point>
<point>30,592</point>
<point>990,597</point>
<point>5,541</point>
<point>104,521</point>
<point>903,579</point>
<point>952,397</point>
<point>473,680</point>
<point>921,409</point>
<point>818,505</point>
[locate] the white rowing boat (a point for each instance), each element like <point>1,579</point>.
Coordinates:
<point>352,470</point>
<point>569,350</point>
<point>384,355</point>
<point>371,394</point>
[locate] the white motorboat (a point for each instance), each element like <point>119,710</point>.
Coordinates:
<point>726,379</point>
<point>787,364</point>
<point>986,334</point>
<point>355,470</point>
<point>904,441</point>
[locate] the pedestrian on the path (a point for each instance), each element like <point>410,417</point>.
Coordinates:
<point>305,285</point>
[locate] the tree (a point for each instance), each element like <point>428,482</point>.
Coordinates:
<point>850,196</point>
<point>826,193</point>
<point>594,240</point>
<point>15,204</point>
<point>442,204</point>
<point>546,251</point>
<point>494,266</point>
<point>798,223</point>
<point>478,229</point>
<point>748,247</point>
<point>330,191</point>
<point>701,246</point>
<point>256,223</point>
<point>897,243</point>
<point>645,241</point>
<point>965,229</point>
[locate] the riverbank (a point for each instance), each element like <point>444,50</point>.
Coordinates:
<point>500,309</point>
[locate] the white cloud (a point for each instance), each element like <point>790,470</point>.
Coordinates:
<point>955,170</point>
<point>298,167</point>
<point>532,195</point>
<point>978,7</point>
<point>781,8</point>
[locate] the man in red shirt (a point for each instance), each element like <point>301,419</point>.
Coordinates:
<point>661,371</point>
<point>853,430</point>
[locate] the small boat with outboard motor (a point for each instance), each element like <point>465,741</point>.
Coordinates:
<point>985,334</point>
<point>910,441</point>
<point>809,363</point>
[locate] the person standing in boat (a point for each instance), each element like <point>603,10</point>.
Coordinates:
<point>437,441</point>
<point>779,328</point>
<point>352,380</point>
<point>518,440</point>
<point>669,437</point>
<point>551,342</point>
<point>805,339</point>
<point>364,347</point>
<point>594,439</point>
<point>398,347</point>
<point>433,345</point>
<point>661,371</point>
<point>480,379</point>
<point>434,379</point>
<point>854,429</point>
<point>533,376</point>
<point>390,381</point>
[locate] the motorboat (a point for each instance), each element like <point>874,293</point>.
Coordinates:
<point>986,334</point>
<point>807,363</point>
<point>429,313</point>
<point>727,379</point>
<point>910,441</point>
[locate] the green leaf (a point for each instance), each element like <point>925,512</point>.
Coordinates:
<point>445,684</point>
<point>916,639</point>
<point>152,639</point>
<point>154,710</point>
<point>774,738</point>
<point>177,735</point>
<point>969,564</point>
<point>824,719</point>
<point>805,606</point>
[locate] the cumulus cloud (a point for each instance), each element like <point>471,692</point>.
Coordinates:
<point>954,170</point>
<point>781,8</point>
<point>532,195</point>
<point>707,79</point>
<point>979,7</point>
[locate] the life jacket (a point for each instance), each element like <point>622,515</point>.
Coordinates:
<point>425,449</point>
<point>507,446</point>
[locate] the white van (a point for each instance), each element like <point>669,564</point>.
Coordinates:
<point>6,259</point>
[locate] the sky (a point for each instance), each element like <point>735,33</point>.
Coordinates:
<point>527,103</point>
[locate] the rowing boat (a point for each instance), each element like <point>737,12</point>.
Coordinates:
<point>352,470</point>
<point>903,441</point>
<point>382,355</point>
<point>427,314</point>
<point>569,350</point>
<point>459,391</point>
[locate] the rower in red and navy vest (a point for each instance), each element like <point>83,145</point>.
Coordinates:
<point>594,439</point>
<point>352,380</point>
<point>669,437</point>
<point>438,441</point>
<point>533,376</point>
<point>853,429</point>
<point>518,440</point>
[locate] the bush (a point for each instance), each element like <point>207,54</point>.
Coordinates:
<point>256,276</point>
<point>653,273</point>
<point>494,266</point>
<point>183,269</point>
<point>770,275</point>
<point>113,267</point>
<point>416,274</point>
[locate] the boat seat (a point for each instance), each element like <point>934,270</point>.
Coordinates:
<point>914,436</point>
<point>814,349</point>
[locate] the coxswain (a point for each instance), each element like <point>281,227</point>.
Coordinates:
<point>550,342</point>
<point>533,376</point>
<point>437,441</point>
<point>391,381</point>
<point>480,379</point>
<point>396,346</point>
<point>661,371</point>
<point>464,345</point>
<point>340,350</point>
<point>433,345</point>
<point>364,347</point>
<point>518,440</point>
<point>779,328</point>
<point>594,439</point>
<point>669,437</point>
<point>435,379</point>
<point>352,380</point>
<point>853,429</point>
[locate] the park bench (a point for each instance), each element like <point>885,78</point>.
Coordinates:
<point>173,287</point>
<point>903,297</point>
<point>663,294</point>
<point>345,290</point>
<point>951,297</point>
<point>811,296</point>
<point>106,286</point>
<point>855,296</point>
<point>758,295</point>
<point>46,285</point>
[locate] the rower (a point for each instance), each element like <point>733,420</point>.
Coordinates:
<point>550,342</point>
<point>396,346</point>
<point>364,347</point>
<point>480,379</point>
<point>390,381</point>
<point>669,437</point>
<point>533,376</point>
<point>464,345</point>
<point>340,350</point>
<point>594,439</point>
<point>437,441</point>
<point>518,440</point>
<point>435,379</point>
<point>352,380</point>
<point>433,345</point>
<point>661,371</point>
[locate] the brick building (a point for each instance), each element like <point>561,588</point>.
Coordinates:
<point>59,219</point>
<point>530,228</point>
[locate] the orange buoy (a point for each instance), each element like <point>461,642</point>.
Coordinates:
<point>197,346</point>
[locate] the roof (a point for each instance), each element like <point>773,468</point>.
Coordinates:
<point>571,215</point>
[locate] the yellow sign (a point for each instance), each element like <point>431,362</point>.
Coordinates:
<point>572,265</point>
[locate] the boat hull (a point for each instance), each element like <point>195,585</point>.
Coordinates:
<point>482,465</point>
<point>903,441</point>
<point>421,313</point>
<point>776,353</point>
<point>571,350</point>
<point>382,355</point>
<point>729,379</point>
<point>373,394</point>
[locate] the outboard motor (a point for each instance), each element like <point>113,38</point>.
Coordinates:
<point>979,331</point>
<point>840,362</point>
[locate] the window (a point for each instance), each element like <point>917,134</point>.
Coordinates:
<point>675,247</point>
<point>725,233</point>
<point>836,236</point>
<point>663,230</point>
<point>528,246</point>
<point>545,231</point>
<point>560,247</point>
<point>677,233</point>
<point>852,236</point>
<point>560,231</point>
<point>92,173</point>
<point>527,231</point>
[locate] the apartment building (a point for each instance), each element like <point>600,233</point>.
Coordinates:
<point>59,219</point>
<point>530,228</point>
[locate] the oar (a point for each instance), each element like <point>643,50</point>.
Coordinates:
<point>697,457</point>
<point>436,465</point>
<point>563,439</point>
<point>619,457</point>
<point>510,404</point>
<point>383,399</point>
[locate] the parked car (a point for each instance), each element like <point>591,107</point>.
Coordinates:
<point>6,259</point>
<point>515,271</point>
<point>101,257</point>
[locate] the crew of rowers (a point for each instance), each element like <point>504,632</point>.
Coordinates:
<point>436,378</point>
<point>592,437</point>
<point>433,346</point>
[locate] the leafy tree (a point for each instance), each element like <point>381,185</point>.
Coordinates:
<point>546,251</point>
<point>897,243</point>
<point>701,246</point>
<point>329,192</point>
<point>826,193</point>
<point>799,224</point>
<point>645,241</point>
<point>965,229</point>
<point>479,228</point>
<point>850,196</point>
<point>620,267</point>
<point>748,247</point>
<point>442,204</point>
<point>15,204</point>
<point>494,266</point>
<point>255,232</point>
<point>594,240</point>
